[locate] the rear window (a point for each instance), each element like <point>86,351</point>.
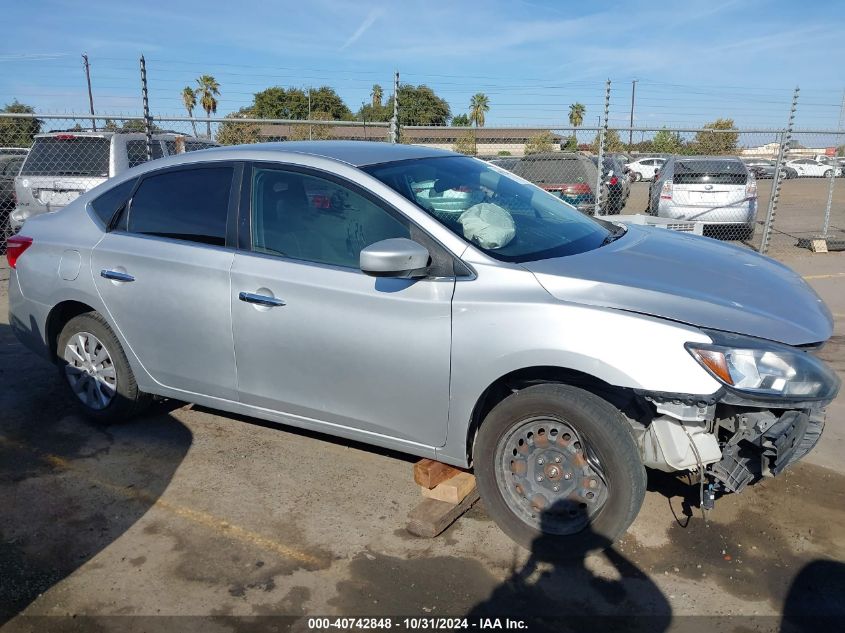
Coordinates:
<point>717,172</point>
<point>185,204</point>
<point>137,151</point>
<point>68,156</point>
<point>556,171</point>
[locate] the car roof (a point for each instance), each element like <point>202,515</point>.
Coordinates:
<point>157,135</point>
<point>554,156</point>
<point>356,153</point>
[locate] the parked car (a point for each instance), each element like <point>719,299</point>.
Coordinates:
<point>617,185</point>
<point>761,168</point>
<point>10,165</point>
<point>62,165</point>
<point>807,167</point>
<point>646,168</point>
<point>570,176</point>
<point>718,191</point>
<point>555,354</point>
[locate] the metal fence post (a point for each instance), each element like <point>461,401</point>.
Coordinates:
<point>394,120</point>
<point>602,140</point>
<point>780,172</point>
<point>148,128</point>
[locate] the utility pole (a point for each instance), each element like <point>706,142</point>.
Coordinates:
<point>310,128</point>
<point>631,123</point>
<point>364,117</point>
<point>90,94</point>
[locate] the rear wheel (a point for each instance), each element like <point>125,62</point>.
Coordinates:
<point>637,176</point>
<point>828,173</point>
<point>96,370</point>
<point>558,470</point>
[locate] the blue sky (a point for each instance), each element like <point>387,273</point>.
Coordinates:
<point>694,60</point>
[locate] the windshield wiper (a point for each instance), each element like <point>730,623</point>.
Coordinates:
<point>612,237</point>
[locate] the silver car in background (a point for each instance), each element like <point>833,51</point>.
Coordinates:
<point>61,166</point>
<point>429,302</point>
<point>718,191</point>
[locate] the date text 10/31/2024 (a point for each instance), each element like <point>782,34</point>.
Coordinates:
<point>417,623</point>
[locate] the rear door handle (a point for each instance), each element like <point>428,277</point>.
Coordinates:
<point>116,275</point>
<point>261,300</point>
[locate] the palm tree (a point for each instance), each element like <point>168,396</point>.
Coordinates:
<point>377,94</point>
<point>189,98</point>
<point>576,116</point>
<point>208,88</point>
<point>478,105</point>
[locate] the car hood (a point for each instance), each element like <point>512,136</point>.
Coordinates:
<point>694,280</point>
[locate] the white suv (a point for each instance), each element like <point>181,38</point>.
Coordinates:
<point>63,165</point>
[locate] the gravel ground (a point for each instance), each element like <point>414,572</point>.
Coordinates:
<point>187,512</point>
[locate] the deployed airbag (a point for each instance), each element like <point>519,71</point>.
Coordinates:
<point>488,225</point>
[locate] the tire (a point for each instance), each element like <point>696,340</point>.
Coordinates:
<point>566,527</point>
<point>828,173</point>
<point>90,383</point>
<point>637,176</point>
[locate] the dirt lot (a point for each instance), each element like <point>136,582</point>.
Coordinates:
<point>191,513</point>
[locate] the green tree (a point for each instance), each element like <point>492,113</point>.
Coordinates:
<point>292,103</point>
<point>717,142</point>
<point>612,142</point>
<point>418,105</point>
<point>135,125</point>
<point>570,144</point>
<point>208,90</point>
<point>577,111</point>
<point>189,100</point>
<point>666,142</point>
<point>237,132</point>
<point>478,106</point>
<point>461,120</point>
<point>377,94</point>
<point>465,143</point>
<point>542,142</point>
<point>16,132</point>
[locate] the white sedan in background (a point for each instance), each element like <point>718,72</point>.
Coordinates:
<point>805,167</point>
<point>645,168</point>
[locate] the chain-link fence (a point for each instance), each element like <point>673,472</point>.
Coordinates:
<point>722,183</point>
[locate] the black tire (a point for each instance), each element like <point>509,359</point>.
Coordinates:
<point>606,433</point>
<point>637,176</point>
<point>128,401</point>
<point>828,173</point>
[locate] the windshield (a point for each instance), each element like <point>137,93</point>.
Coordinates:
<point>506,218</point>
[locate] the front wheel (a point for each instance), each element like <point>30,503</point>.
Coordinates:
<point>637,176</point>
<point>95,368</point>
<point>558,470</point>
<point>828,173</point>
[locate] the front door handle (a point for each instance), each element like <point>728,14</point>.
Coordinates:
<point>116,275</point>
<point>261,300</point>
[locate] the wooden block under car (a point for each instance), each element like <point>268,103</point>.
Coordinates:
<point>818,246</point>
<point>428,473</point>
<point>453,490</point>
<point>431,516</point>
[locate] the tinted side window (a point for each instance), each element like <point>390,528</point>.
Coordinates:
<point>137,151</point>
<point>186,204</point>
<point>304,217</point>
<point>112,201</point>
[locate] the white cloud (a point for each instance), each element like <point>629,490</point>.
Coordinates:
<point>372,16</point>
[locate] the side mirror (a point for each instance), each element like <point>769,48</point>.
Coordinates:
<point>396,257</point>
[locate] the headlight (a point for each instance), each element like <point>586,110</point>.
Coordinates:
<point>766,369</point>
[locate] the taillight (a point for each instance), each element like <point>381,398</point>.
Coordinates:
<point>15,246</point>
<point>751,189</point>
<point>577,188</point>
<point>613,180</point>
<point>666,192</point>
<point>64,137</point>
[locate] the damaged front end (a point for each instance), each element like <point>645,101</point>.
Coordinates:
<point>769,413</point>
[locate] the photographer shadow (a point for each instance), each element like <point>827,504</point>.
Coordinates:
<point>561,589</point>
